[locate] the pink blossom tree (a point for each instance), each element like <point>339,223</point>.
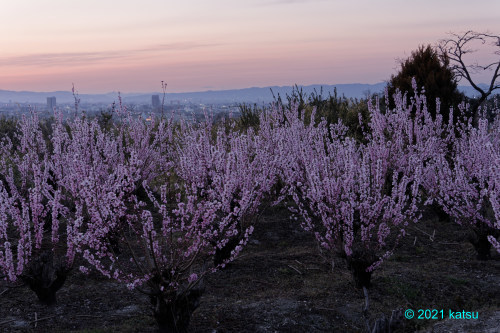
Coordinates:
<point>467,182</point>
<point>358,198</point>
<point>168,237</point>
<point>32,213</point>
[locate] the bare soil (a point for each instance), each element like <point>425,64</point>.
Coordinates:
<point>281,283</point>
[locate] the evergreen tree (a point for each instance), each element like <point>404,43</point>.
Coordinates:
<point>432,72</point>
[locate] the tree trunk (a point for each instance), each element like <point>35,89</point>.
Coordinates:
<point>480,241</point>
<point>45,278</point>
<point>479,237</point>
<point>357,264</point>
<point>174,316</point>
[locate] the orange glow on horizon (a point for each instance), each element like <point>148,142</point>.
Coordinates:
<point>222,45</point>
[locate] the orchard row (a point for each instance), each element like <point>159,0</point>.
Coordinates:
<point>158,205</point>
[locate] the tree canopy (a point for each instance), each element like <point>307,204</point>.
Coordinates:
<point>432,72</point>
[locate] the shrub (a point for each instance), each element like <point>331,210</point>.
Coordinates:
<point>432,72</point>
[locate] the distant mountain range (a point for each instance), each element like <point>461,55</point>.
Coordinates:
<point>247,95</point>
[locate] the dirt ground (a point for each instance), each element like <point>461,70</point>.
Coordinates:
<point>281,283</point>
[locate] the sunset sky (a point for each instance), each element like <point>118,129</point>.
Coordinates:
<point>194,45</point>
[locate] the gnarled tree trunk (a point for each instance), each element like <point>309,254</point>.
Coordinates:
<point>45,278</point>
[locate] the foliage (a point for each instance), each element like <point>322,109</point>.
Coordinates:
<point>249,116</point>
<point>333,108</point>
<point>8,128</point>
<point>432,72</point>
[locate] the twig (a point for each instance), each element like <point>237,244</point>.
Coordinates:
<point>239,256</point>
<point>7,321</point>
<point>40,319</point>
<point>431,237</point>
<point>298,262</point>
<point>3,292</point>
<point>295,269</point>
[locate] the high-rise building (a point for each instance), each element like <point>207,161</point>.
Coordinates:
<point>51,103</point>
<point>155,99</point>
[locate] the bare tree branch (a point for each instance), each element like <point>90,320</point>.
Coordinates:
<point>457,46</point>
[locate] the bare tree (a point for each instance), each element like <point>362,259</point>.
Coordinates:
<point>456,47</point>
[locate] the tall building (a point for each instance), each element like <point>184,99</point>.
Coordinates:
<point>155,99</point>
<point>51,103</point>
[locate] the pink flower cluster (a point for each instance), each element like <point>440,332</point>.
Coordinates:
<point>139,202</point>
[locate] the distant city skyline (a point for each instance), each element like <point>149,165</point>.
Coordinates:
<point>194,45</point>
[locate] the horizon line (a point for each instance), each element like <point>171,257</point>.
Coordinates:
<point>202,91</point>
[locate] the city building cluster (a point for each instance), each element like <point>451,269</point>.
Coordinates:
<point>157,108</point>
